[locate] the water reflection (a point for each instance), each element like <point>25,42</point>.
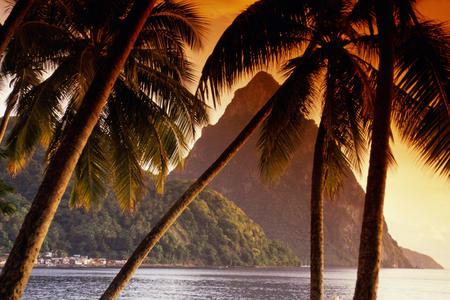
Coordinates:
<point>85,284</point>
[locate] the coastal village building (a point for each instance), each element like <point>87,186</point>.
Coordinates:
<point>50,259</point>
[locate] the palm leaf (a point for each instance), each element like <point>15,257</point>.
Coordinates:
<point>6,208</point>
<point>173,98</point>
<point>160,143</point>
<point>182,19</point>
<point>91,174</point>
<point>281,132</point>
<point>37,113</point>
<point>128,176</point>
<point>337,167</point>
<point>423,77</point>
<point>254,41</point>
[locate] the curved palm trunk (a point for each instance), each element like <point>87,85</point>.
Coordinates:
<point>4,123</point>
<point>317,235</point>
<point>372,225</point>
<point>26,248</point>
<point>147,244</point>
<point>13,21</point>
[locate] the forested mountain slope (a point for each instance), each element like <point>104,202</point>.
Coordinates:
<point>212,232</point>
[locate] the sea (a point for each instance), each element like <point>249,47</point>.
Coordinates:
<point>232,283</point>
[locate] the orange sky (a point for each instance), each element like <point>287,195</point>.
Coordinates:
<point>417,205</point>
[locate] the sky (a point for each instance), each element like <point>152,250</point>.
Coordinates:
<point>417,204</point>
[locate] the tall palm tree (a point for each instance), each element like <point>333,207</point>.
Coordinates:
<point>13,21</point>
<point>76,134</point>
<point>372,226</point>
<point>344,87</point>
<point>291,103</point>
<point>423,121</point>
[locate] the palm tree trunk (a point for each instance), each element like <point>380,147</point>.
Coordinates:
<point>147,244</point>
<point>26,248</point>
<point>4,123</point>
<point>317,236</point>
<point>372,225</point>
<point>13,21</point>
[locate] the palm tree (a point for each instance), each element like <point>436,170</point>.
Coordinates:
<point>291,101</point>
<point>75,135</point>
<point>423,75</point>
<point>13,21</point>
<point>344,83</point>
<point>372,227</point>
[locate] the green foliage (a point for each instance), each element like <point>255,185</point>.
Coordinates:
<point>212,232</point>
<point>151,115</point>
<point>281,133</point>
<point>6,207</point>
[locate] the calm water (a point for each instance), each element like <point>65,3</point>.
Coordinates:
<point>84,284</point>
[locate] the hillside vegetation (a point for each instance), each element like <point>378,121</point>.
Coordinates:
<point>212,232</point>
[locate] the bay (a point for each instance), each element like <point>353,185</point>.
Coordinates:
<point>251,283</point>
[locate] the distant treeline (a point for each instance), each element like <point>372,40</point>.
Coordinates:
<point>212,232</point>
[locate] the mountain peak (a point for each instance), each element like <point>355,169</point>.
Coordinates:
<point>250,98</point>
<point>263,77</point>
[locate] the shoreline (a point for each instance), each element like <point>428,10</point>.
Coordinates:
<point>150,266</point>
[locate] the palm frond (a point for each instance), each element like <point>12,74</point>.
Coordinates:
<point>23,81</point>
<point>423,64</point>
<point>127,173</point>
<point>168,61</point>
<point>173,98</point>
<point>6,208</point>
<point>337,167</point>
<point>182,19</point>
<point>422,105</point>
<point>43,44</point>
<point>37,113</point>
<point>91,175</point>
<point>160,143</point>
<point>281,132</point>
<point>363,14</point>
<point>254,41</point>
<point>347,104</point>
